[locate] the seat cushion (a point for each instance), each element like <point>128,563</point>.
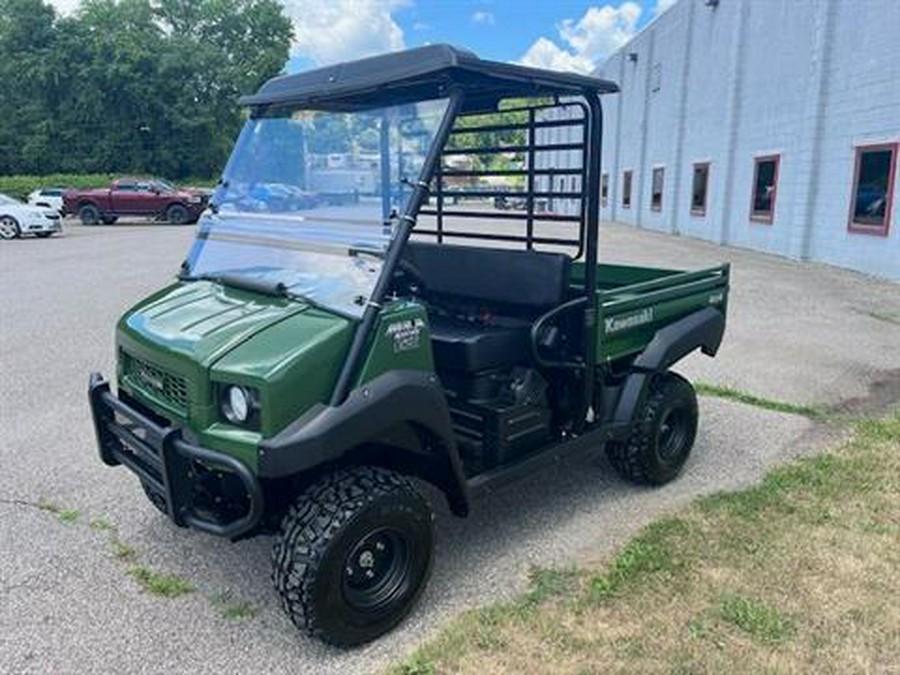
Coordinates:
<point>527,281</point>
<point>469,346</point>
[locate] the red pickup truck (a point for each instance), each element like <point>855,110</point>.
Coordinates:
<point>136,197</point>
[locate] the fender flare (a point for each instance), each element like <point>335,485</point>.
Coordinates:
<point>700,330</point>
<point>325,434</point>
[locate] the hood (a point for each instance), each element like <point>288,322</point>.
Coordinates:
<point>202,321</point>
<point>200,330</point>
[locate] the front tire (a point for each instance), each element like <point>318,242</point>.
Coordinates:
<point>663,435</point>
<point>89,214</point>
<point>353,555</point>
<point>177,214</point>
<point>9,228</point>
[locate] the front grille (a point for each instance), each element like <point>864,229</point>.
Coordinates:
<point>158,383</point>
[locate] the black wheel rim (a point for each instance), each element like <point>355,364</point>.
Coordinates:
<point>377,571</point>
<point>672,434</point>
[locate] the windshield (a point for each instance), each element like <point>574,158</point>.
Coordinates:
<point>310,200</point>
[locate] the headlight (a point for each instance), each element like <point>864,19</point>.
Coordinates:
<point>238,403</point>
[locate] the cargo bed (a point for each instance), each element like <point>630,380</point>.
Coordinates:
<point>634,302</point>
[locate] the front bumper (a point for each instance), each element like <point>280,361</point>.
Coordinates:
<point>163,460</point>
<point>44,224</point>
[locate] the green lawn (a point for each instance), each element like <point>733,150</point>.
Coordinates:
<point>798,574</point>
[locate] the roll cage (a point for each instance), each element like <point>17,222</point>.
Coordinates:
<point>474,87</point>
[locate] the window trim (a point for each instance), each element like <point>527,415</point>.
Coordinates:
<point>662,187</point>
<point>760,216</point>
<point>630,174</point>
<point>865,228</point>
<point>701,211</point>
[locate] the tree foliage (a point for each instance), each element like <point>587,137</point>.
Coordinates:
<point>144,86</point>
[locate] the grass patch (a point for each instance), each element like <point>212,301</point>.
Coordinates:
<point>796,574</point>
<point>884,316</point>
<point>231,608</point>
<point>49,507</point>
<point>757,619</point>
<point>121,550</point>
<point>156,583</point>
<point>101,525</point>
<point>705,389</point>
<point>68,515</point>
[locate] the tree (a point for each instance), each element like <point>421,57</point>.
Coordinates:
<point>137,86</point>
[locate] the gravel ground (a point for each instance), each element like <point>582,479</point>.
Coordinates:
<point>803,333</point>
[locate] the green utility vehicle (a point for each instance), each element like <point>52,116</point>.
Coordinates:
<point>354,316</point>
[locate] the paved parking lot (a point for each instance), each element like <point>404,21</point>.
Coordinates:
<point>802,333</point>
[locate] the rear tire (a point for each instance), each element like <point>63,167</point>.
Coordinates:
<point>663,436</point>
<point>177,214</point>
<point>354,554</point>
<point>89,214</point>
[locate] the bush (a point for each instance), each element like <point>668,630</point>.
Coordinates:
<point>20,186</point>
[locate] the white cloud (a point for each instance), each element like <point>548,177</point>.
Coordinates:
<point>594,36</point>
<point>339,30</point>
<point>546,54</point>
<point>486,18</point>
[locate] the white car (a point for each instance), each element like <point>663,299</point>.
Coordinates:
<point>51,198</point>
<point>17,219</point>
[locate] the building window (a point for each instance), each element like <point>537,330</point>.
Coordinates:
<point>626,190</point>
<point>699,189</point>
<point>656,188</point>
<point>873,188</point>
<point>765,186</point>
<point>604,189</point>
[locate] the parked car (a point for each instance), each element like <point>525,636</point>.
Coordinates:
<point>136,197</point>
<point>50,197</point>
<point>18,218</point>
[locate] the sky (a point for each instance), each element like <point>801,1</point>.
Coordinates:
<point>560,34</point>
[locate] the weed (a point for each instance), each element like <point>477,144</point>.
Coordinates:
<point>156,583</point>
<point>68,515</point>
<point>705,389</point>
<point>758,619</point>
<point>231,608</point>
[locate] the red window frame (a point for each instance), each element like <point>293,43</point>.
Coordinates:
<point>765,217</point>
<point>662,187</point>
<point>604,189</point>
<point>865,228</point>
<point>701,210</point>
<point>627,179</point>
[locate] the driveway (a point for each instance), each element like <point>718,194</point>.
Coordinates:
<point>797,332</point>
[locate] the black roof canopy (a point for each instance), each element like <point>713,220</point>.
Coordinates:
<point>420,74</point>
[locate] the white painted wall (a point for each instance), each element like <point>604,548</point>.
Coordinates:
<point>806,79</point>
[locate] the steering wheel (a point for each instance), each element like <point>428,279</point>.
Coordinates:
<point>405,272</point>
<point>409,274</point>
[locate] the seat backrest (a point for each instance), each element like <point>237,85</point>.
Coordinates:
<point>522,279</point>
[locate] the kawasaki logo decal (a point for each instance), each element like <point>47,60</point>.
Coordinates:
<point>615,324</point>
